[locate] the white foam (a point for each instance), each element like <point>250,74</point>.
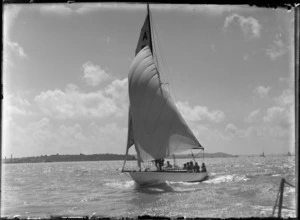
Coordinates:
<point>227,178</point>
<point>117,184</point>
<point>183,183</point>
<point>289,190</point>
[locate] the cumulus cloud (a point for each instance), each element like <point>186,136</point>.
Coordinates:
<point>273,113</point>
<point>117,88</point>
<point>29,138</point>
<point>278,121</point>
<point>118,91</point>
<point>231,128</point>
<point>14,104</point>
<point>253,116</point>
<point>282,114</point>
<point>73,103</point>
<point>267,132</point>
<point>10,14</point>
<point>287,98</point>
<point>94,74</point>
<point>277,49</point>
<point>199,113</point>
<point>250,26</point>
<point>17,49</point>
<point>43,136</point>
<point>261,91</point>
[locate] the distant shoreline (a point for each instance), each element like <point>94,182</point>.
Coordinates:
<point>112,157</point>
<point>68,158</point>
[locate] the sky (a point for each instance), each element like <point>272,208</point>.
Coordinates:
<point>230,70</point>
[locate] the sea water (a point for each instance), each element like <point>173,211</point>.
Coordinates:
<point>237,187</point>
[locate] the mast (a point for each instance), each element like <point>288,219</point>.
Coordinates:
<point>148,15</point>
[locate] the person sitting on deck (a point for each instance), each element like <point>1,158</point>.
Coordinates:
<point>156,163</point>
<point>192,166</point>
<point>184,166</point>
<point>159,163</point>
<point>203,168</point>
<point>189,167</point>
<point>197,168</point>
<point>168,165</point>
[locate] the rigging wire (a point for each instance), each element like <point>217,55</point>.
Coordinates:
<point>158,48</point>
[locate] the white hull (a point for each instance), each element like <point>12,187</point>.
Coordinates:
<point>151,177</point>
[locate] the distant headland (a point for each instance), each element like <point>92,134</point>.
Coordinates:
<point>68,158</point>
<point>99,157</point>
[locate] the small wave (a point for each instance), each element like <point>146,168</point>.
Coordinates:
<point>288,190</point>
<point>182,183</point>
<point>90,199</point>
<point>276,175</point>
<point>227,178</point>
<point>266,211</point>
<point>120,185</point>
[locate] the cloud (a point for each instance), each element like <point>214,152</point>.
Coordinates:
<point>118,91</point>
<point>282,114</point>
<point>17,49</point>
<point>44,137</point>
<point>13,105</point>
<point>231,128</point>
<point>261,91</point>
<point>276,132</point>
<point>250,26</point>
<point>277,49</point>
<point>287,98</point>
<point>93,74</point>
<point>73,103</point>
<point>258,130</point>
<point>253,116</point>
<point>10,14</point>
<point>278,120</point>
<point>32,137</point>
<point>232,131</point>
<point>199,113</point>
<point>274,113</point>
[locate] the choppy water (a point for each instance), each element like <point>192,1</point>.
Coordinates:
<point>237,187</point>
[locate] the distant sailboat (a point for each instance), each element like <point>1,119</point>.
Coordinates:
<point>262,155</point>
<point>289,154</point>
<point>155,126</point>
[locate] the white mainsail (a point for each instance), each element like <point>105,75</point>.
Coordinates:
<point>159,129</point>
<point>155,126</point>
